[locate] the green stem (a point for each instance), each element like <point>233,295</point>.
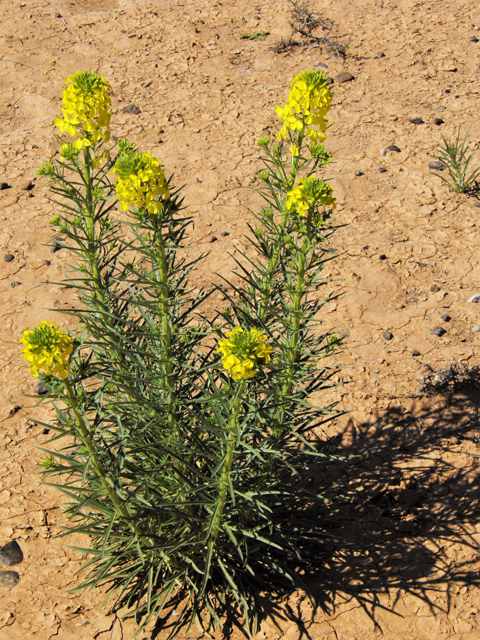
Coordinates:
<point>90,216</point>
<point>107,484</point>
<point>166,327</point>
<point>227,466</point>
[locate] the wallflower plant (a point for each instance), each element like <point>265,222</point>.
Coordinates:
<point>189,438</point>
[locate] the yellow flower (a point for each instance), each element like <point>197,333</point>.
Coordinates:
<point>141,182</point>
<point>86,109</point>
<point>308,104</point>
<point>242,351</point>
<point>48,350</point>
<point>310,194</point>
<point>294,150</point>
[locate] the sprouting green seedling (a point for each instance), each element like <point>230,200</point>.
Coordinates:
<point>454,155</point>
<point>256,35</point>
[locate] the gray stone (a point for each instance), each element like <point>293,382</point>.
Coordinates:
<point>26,185</point>
<point>445,317</point>
<point>9,578</point>
<point>438,121</point>
<point>474,39</point>
<point>4,185</point>
<point>476,328</point>
<point>41,389</point>
<point>382,256</point>
<point>475,298</point>
<point>387,335</point>
<point>322,65</point>
<point>416,120</point>
<point>436,165</point>
<point>11,553</point>
<point>8,257</point>
<point>393,147</point>
<point>359,173</point>
<point>224,234</point>
<point>15,283</point>
<point>381,54</point>
<point>382,170</point>
<point>441,108</point>
<point>132,108</point>
<point>415,353</point>
<point>344,76</point>
<point>213,239</point>
<point>437,331</point>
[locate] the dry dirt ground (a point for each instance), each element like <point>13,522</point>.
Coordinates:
<point>409,506</point>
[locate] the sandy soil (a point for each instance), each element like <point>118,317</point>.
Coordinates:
<point>411,507</point>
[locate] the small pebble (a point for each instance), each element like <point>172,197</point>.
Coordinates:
<point>476,328</point>
<point>437,331</point>
<point>41,389</point>
<point>447,91</point>
<point>382,256</point>
<point>415,353</point>
<point>383,152</point>
<point>213,239</point>
<point>234,267</point>
<point>381,54</point>
<point>475,298</point>
<point>474,39</point>
<point>58,15</point>
<point>377,370</point>
<point>9,578</point>
<point>416,120</point>
<point>441,108</point>
<point>438,121</point>
<point>322,65</point>
<point>330,80</point>
<point>393,147</point>
<point>387,335</point>
<point>56,246</point>
<point>15,283</point>
<point>132,108</point>
<point>11,553</point>
<point>4,185</point>
<point>436,165</point>
<point>382,170</point>
<point>445,317</point>
<point>477,204</point>
<point>360,173</point>
<point>344,76</point>
<point>8,257</point>
<point>46,431</point>
<point>224,234</point>
<point>47,263</point>
<point>26,185</point>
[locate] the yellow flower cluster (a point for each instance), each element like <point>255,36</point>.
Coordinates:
<point>141,182</point>
<point>48,350</point>
<point>309,194</point>
<point>86,109</point>
<point>308,103</point>
<point>242,351</point>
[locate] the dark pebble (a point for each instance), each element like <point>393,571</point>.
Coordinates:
<point>58,15</point>
<point>447,91</point>
<point>358,173</point>
<point>344,76</point>
<point>381,54</point>
<point>382,256</point>
<point>393,147</point>
<point>224,234</point>
<point>56,246</point>
<point>132,108</point>
<point>9,578</point>
<point>47,263</point>
<point>15,283</point>
<point>330,80</point>
<point>436,165</point>
<point>387,335</point>
<point>415,353</point>
<point>4,185</point>
<point>435,288</point>
<point>416,120</point>
<point>11,553</point>
<point>322,65</point>
<point>474,39</point>
<point>382,170</point>
<point>41,389</point>
<point>437,331</point>
<point>445,317</point>
<point>438,121</point>
<point>46,431</point>
<point>477,204</point>
<point>213,239</point>
<point>8,257</point>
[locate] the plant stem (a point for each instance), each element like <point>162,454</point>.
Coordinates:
<point>227,466</point>
<point>90,216</point>
<point>99,468</point>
